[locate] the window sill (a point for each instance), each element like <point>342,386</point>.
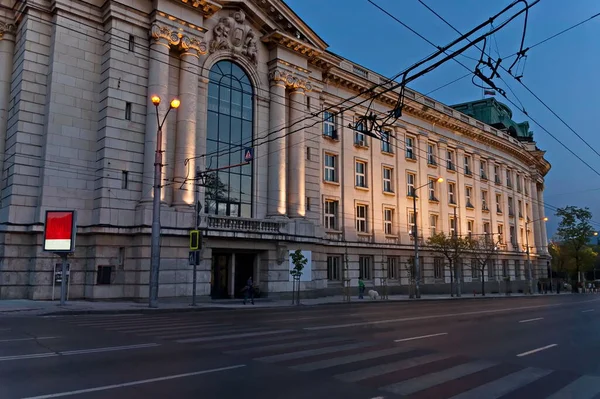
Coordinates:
<point>434,201</point>
<point>387,153</point>
<point>362,146</point>
<point>362,234</point>
<point>452,204</point>
<point>391,236</point>
<point>361,188</point>
<point>498,183</point>
<point>469,175</point>
<point>470,208</point>
<point>389,193</point>
<point>452,170</point>
<point>330,138</point>
<point>411,159</point>
<point>499,213</point>
<point>410,197</point>
<point>432,165</point>
<point>333,183</point>
<point>485,210</point>
<point>333,231</point>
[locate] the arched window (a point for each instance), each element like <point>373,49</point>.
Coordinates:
<point>229,131</point>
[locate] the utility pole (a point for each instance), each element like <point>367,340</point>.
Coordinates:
<point>416,237</point>
<point>197,211</point>
<point>456,266</point>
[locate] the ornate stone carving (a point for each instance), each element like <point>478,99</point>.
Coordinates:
<point>232,33</point>
<point>7,28</point>
<point>191,44</point>
<point>290,80</point>
<point>158,32</point>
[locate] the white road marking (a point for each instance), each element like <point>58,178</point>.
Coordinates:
<point>421,337</point>
<point>439,316</point>
<point>536,350</point>
<point>528,320</point>
<point>134,383</point>
<point>77,352</point>
<point>26,339</point>
<point>5,329</point>
<point>588,310</point>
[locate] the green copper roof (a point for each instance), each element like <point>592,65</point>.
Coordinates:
<point>498,115</point>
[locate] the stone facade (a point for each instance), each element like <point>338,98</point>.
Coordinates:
<point>78,131</point>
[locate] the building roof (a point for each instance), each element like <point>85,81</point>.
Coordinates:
<point>494,113</point>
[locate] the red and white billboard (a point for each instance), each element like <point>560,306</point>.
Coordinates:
<point>59,231</point>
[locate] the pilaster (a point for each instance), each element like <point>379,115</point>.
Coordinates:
<point>7,50</point>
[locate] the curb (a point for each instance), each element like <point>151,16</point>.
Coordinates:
<point>255,309</point>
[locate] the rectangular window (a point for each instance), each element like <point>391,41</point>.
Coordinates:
<point>131,43</point>
<point>331,168</point>
<point>388,221</point>
<point>387,180</point>
<point>452,225</point>
<point>469,196</point>
<point>498,203</point>
<point>452,193</point>
<point>513,238</point>
<point>497,174</point>
<point>520,208</point>
<point>474,269</point>
<point>519,185</point>
<point>468,171</point>
<point>432,189</point>
<point>307,206</point>
<point>486,228</point>
<point>470,228</point>
<point>484,200</point>
<point>431,154</point>
<point>511,209</point>
<point>438,268</point>
<point>433,222</point>
<point>410,149</point>
<point>361,174</point>
<point>491,269</point>
<point>360,138</point>
<point>334,268</point>
<point>508,178</point>
<point>392,268</point>
<point>411,223</point>
<point>329,125</point>
<point>364,267</point>
<point>361,218</point>
<point>504,268</point>
<point>308,153</point>
<point>330,215</point>
<point>526,186</point>
<point>386,145</point>
<point>124,179</point>
<point>501,233</point>
<point>410,184</point>
<point>517,269</point>
<point>483,170</point>
<point>526,211</point>
<point>450,160</point>
<point>128,111</point>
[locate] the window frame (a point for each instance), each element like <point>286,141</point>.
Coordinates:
<point>386,142</point>
<point>450,157</point>
<point>387,182</point>
<point>335,268</point>
<point>388,224</point>
<point>431,154</point>
<point>432,188</point>
<point>451,193</point>
<point>467,161</point>
<point>358,175</point>
<point>331,216</point>
<point>411,187</point>
<point>329,125</point>
<point>469,197</point>
<point>410,149</point>
<point>361,220</point>
<point>333,168</point>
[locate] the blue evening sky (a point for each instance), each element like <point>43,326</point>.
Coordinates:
<point>562,71</point>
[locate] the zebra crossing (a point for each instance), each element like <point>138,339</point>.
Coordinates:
<point>395,368</point>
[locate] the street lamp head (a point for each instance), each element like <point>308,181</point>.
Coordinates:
<point>155,100</point>
<point>545,219</point>
<point>595,233</point>
<point>440,180</point>
<point>175,103</point>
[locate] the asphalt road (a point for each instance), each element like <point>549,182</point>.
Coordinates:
<point>541,347</point>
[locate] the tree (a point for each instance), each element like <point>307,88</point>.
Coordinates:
<point>483,249</point>
<point>561,262</point>
<point>299,261</point>
<point>575,230</point>
<point>451,247</point>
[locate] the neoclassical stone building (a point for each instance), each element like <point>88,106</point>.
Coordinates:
<point>78,131</point>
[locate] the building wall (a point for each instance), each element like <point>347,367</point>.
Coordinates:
<point>79,132</point>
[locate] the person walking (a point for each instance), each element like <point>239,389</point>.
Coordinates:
<point>361,288</point>
<point>249,291</point>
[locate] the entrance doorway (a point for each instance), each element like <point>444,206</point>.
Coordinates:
<point>220,274</point>
<point>244,269</point>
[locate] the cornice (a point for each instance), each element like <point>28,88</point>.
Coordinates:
<point>350,81</point>
<point>282,39</point>
<point>208,8</point>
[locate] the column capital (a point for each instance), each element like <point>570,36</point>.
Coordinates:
<point>289,80</point>
<point>161,32</point>
<point>189,45</point>
<point>7,29</point>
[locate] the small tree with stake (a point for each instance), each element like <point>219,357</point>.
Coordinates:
<point>451,247</point>
<point>299,261</point>
<point>483,249</point>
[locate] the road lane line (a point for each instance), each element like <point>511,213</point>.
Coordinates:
<point>536,350</point>
<point>134,383</point>
<point>420,337</point>
<point>338,361</point>
<point>529,320</point>
<point>26,339</point>
<point>77,352</point>
<point>312,352</point>
<point>439,316</point>
<point>232,336</point>
<point>588,310</point>
<point>498,388</point>
<point>587,386</point>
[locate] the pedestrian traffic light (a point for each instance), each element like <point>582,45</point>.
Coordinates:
<point>194,240</point>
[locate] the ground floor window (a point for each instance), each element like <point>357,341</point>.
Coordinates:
<point>364,267</point>
<point>392,268</point>
<point>334,268</point>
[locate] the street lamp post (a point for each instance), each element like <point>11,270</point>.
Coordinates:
<point>155,241</point>
<point>416,238</point>
<point>529,276</point>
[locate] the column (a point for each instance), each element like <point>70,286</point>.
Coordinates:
<point>7,48</point>
<point>296,193</point>
<point>161,39</point>
<point>187,114</point>
<point>544,234</point>
<point>276,182</point>
<point>535,214</point>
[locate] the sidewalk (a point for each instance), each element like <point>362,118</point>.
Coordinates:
<point>24,307</point>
